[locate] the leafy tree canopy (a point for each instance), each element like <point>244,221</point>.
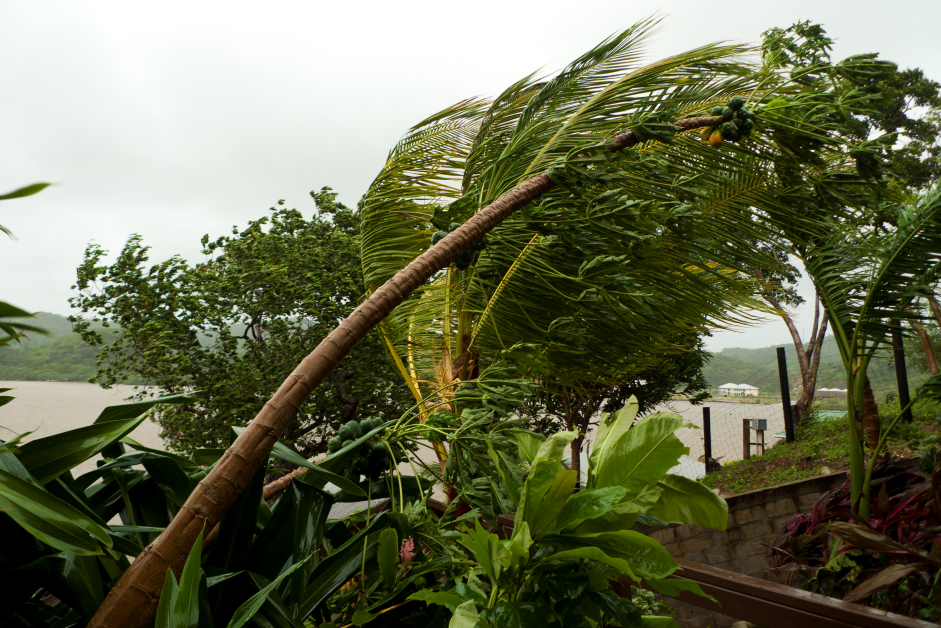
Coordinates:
<point>232,327</point>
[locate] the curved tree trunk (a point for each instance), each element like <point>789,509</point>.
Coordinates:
<point>132,603</point>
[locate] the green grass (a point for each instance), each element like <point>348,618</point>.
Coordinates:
<point>821,443</point>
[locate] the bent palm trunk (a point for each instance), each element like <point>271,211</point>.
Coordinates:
<point>132,603</point>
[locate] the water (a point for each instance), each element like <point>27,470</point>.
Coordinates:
<point>47,408</point>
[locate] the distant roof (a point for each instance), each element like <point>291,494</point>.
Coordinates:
<point>729,386</point>
<point>747,387</point>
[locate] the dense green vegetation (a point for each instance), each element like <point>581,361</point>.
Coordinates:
<point>60,356</point>
<point>759,367</point>
<point>821,442</point>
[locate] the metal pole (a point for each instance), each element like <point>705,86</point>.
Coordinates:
<point>785,396</point>
<point>707,437</point>
<point>901,373</point>
<point>746,440</point>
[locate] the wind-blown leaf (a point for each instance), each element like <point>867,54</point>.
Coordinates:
<point>50,519</point>
<point>640,456</point>
<point>688,501</point>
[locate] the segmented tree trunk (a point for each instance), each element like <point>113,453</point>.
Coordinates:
<point>132,603</point>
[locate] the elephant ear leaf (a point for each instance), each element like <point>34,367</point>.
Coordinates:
<point>639,457</point>
<point>610,429</point>
<point>688,501</point>
<point>542,475</point>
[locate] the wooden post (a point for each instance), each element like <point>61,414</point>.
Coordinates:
<point>707,436</point>
<point>901,373</point>
<point>760,445</point>
<point>746,440</point>
<point>785,396</point>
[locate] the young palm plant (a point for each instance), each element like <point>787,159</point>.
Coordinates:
<point>867,281</point>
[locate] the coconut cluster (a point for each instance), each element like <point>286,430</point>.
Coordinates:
<point>738,122</point>
<point>466,258</point>
<point>372,457</point>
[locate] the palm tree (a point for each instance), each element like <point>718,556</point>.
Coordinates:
<point>622,250</point>
<point>867,282</point>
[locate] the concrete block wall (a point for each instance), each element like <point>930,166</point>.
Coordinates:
<point>755,521</point>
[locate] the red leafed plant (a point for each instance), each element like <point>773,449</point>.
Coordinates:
<point>891,561</point>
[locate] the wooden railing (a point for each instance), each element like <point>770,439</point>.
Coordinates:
<point>766,603</point>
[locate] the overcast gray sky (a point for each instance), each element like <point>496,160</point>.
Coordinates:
<point>177,119</point>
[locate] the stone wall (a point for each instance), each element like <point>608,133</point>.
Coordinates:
<point>755,520</point>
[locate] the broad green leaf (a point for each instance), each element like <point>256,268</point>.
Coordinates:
<point>483,546</point>
<point>512,488</point>
<point>623,515</point>
<point>252,605</point>
<point>647,558</point>
<point>186,606</point>
<point>207,457</point>
<point>528,446</point>
<point>519,615</point>
<point>465,616</point>
<point>168,597</point>
<point>610,428</point>
<point>388,555</point>
<point>449,600</point>
<point>361,617</point>
<point>593,553</point>
<point>688,501</point>
<point>638,457</point>
<point>27,190</point>
<point>546,464</point>
<point>672,587</point>
<point>655,621</point>
<point>182,461</point>
<point>587,504</point>
<point>553,502</point>
<point>237,528</point>
<point>137,408</point>
<point>50,519</point>
<point>171,479</point>
<point>47,458</point>
<point>282,451</point>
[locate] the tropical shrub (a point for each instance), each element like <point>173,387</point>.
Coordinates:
<point>287,562</point>
<point>890,560</point>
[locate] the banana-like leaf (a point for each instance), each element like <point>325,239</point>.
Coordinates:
<point>545,466</point>
<point>587,504</point>
<point>595,554</point>
<point>647,558</point>
<point>688,501</point>
<point>637,458</point>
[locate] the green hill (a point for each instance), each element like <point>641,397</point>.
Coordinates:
<point>759,367</point>
<point>60,357</point>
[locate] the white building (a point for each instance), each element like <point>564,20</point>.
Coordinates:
<point>738,390</point>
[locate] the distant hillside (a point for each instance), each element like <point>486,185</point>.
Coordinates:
<point>60,357</point>
<point>758,367</point>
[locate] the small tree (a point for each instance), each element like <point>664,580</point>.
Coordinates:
<point>230,327</point>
